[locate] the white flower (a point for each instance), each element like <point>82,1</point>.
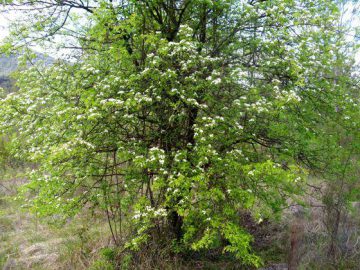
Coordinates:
<point>216,81</point>
<point>160,212</point>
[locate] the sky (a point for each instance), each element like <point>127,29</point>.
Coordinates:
<point>5,18</point>
<point>3,26</point>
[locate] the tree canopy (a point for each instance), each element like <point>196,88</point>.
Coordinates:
<point>177,117</point>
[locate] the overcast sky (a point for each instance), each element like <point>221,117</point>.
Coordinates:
<point>3,26</point>
<point>5,18</point>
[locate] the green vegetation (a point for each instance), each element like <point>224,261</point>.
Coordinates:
<point>187,125</point>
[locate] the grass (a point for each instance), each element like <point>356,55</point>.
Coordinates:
<point>27,243</point>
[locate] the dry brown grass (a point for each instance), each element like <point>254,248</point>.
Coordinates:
<point>29,243</point>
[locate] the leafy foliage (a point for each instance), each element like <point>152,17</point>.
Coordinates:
<point>180,115</point>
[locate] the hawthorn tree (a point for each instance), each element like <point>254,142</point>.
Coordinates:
<point>175,117</point>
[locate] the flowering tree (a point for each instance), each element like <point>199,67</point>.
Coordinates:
<point>178,115</point>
